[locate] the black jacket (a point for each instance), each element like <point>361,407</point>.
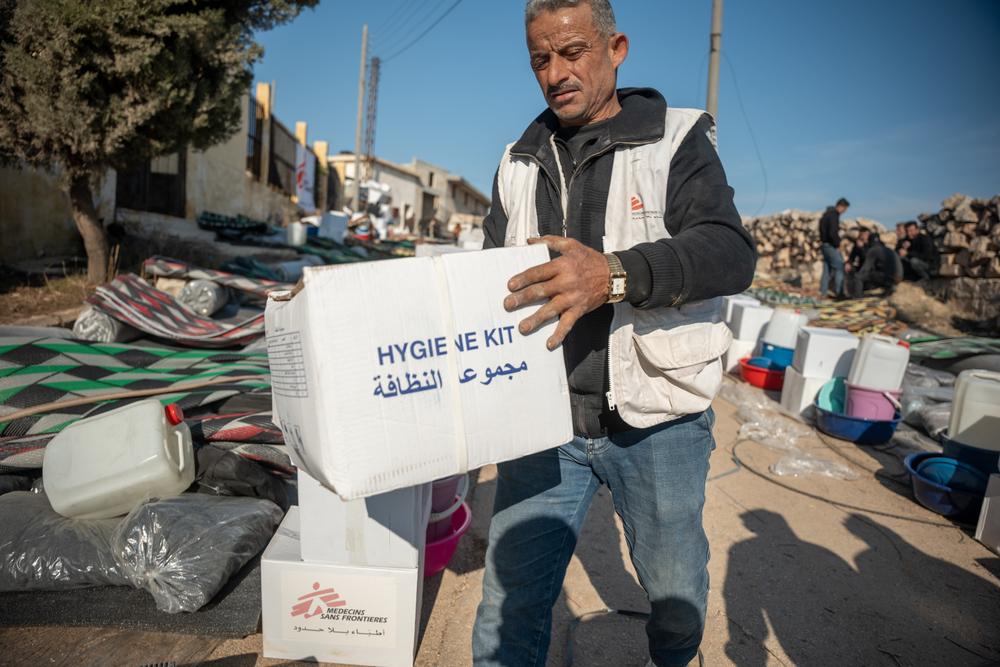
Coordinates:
<point>709,253</point>
<point>829,227</point>
<point>921,247</point>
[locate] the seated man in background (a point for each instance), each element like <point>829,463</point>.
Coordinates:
<point>857,257</point>
<point>880,269</point>
<point>917,253</point>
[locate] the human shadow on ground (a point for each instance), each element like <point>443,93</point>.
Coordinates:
<point>894,604</point>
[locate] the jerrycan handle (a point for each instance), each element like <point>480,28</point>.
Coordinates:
<point>181,461</point>
<point>175,417</point>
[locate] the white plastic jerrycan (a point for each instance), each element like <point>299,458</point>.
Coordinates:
<point>975,414</point>
<point>106,465</point>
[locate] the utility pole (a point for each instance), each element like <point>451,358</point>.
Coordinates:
<point>361,108</point>
<point>370,115</point>
<point>715,51</point>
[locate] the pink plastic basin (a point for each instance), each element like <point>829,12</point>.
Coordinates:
<point>438,553</point>
<point>863,403</point>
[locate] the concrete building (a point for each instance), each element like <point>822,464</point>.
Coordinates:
<point>406,189</point>
<point>428,197</point>
<point>251,174</point>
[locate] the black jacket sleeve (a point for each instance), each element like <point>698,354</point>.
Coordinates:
<point>495,222</point>
<point>709,253</point>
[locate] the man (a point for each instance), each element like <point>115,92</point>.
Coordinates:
<point>878,268</point>
<point>612,171</point>
<point>829,238</point>
<point>857,257</point>
<point>917,253</point>
<point>901,240</point>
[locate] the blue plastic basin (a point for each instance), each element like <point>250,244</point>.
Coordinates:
<point>832,420</point>
<point>766,363</point>
<point>780,356</point>
<point>962,498</point>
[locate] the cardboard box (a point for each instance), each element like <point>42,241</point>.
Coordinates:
<point>988,528</point>
<point>729,301</point>
<point>386,530</point>
<point>749,321</point>
<point>336,613</point>
<point>798,392</point>
<point>824,353</point>
<point>738,349</point>
<point>395,373</point>
<point>437,249</point>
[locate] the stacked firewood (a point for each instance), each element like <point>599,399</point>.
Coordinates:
<point>788,242</point>
<point>966,232</point>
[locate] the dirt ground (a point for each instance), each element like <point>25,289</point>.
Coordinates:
<point>915,307</point>
<point>805,571</point>
<point>21,304</point>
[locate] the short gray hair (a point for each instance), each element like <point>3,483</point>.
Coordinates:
<point>604,16</point>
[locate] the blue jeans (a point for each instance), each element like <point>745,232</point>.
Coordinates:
<point>657,481</point>
<point>833,262</point>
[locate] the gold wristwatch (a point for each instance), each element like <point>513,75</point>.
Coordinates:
<point>617,280</point>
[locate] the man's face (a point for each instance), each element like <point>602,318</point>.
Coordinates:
<point>574,65</point>
<point>912,231</point>
<point>841,208</point>
<point>864,236</point>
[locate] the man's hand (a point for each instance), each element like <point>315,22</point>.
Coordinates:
<point>574,283</point>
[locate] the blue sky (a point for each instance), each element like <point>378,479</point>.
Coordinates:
<point>894,105</point>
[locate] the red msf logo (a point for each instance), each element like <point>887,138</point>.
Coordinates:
<point>317,602</point>
<point>636,204</point>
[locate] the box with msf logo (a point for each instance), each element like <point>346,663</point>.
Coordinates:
<point>390,374</point>
<point>336,613</point>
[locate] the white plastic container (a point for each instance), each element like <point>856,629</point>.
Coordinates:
<point>295,233</point>
<point>749,321</point>
<point>783,328</point>
<point>798,392</point>
<point>729,301</point>
<point>975,413</point>
<point>106,465</point>
<point>824,353</point>
<point>879,363</point>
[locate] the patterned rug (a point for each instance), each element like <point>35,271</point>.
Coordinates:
<point>172,268</point>
<point>37,371</point>
<point>860,316</point>
<point>132,300</point>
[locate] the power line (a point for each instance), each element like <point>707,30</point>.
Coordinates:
<point>395,15</point>
<point>410,22</point>
<point>424,33</point>
<point>753,137</point>
<point>404,22</point>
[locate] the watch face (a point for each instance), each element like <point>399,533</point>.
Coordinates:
<point>618,286</point>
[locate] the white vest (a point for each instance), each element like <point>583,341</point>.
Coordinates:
<point>663,363</point>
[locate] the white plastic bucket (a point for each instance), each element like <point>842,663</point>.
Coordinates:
<point>879,363</point>
<point>975,413</point>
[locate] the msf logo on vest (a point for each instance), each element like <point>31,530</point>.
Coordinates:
<point>640,212</point>
<point>316,603</point>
